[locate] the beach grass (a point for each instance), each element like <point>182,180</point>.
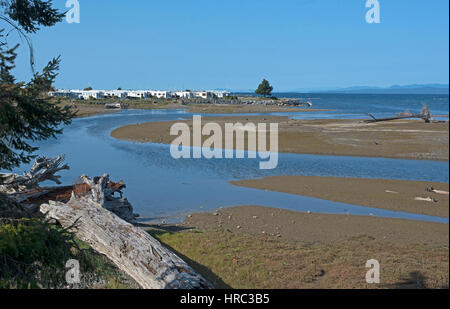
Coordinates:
<point>240,261</point>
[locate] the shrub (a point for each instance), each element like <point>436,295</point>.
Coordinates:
<point>33,254</point>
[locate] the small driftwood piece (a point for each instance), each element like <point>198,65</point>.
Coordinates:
<point>42,170</point>
<point>133,250</point>
<point>433,190</point>
<point>426,199</point>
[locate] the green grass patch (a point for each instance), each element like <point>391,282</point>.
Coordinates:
<point>242,261</point>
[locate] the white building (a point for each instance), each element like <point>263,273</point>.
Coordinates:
<point>77,94</point>
<point>89,94</point>
<point>138,94</point>
<point>183,94</point>
<point>160,94</point>
<point>121,94</point>
<point>63,94</point>
<point>220,93</point>
<point>211,94</point>
<point>202,94</point>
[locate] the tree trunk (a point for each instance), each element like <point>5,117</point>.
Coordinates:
<point>133,250</point>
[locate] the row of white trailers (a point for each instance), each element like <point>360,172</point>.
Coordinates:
<point>137,94</point>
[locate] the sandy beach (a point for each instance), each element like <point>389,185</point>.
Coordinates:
<point>397,195</point>
<point>88,110</point>
<point>407,139</point>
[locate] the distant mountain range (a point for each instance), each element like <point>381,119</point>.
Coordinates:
<point>396,89</point>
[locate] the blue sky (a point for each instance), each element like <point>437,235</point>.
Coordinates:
<point>209,44</point>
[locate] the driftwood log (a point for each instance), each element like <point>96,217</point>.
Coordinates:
<point>133,250</point>
<point>42,170</point>
<point>425,115</point>
<point>92,211</point>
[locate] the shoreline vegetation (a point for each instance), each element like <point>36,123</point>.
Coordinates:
<point>34,252</point>
<point>261,247</point>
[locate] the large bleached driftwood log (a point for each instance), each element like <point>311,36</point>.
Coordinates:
<point>130,248</point>
<point>42,170</point>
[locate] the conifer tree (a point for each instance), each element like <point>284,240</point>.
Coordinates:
<point>264,89</point>
<point>26,112</point>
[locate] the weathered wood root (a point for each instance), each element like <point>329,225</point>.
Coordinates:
<point>102,192</point>
<point>42,170</point>
<point>130,248</point>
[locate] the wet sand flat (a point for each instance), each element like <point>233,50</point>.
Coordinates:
<point>407,139</point>
<point>324,228</point>
<point>88,110</point>
<point>397,195</point>
<point>260,247</point>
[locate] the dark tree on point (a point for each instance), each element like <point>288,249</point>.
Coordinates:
<point>264,89</point>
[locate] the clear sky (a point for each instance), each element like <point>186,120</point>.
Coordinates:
<point>233,44</point>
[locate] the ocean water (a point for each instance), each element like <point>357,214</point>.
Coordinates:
<point>353,106</point>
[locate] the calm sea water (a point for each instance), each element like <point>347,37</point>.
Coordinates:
<point>161,187</point>
<point>382,105</point>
